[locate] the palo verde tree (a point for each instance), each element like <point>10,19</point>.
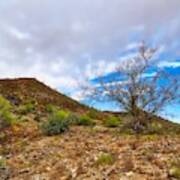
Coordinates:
<point>138,87</point>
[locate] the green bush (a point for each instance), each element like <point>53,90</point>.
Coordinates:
<point>28,107</point>
<point>56,124</point>
<point>174,170</point>
<point>85,120</point>
<point>73,119</point>
<point>61,114</point>
<point>2,162</point>
<point>6,116</point>
<point>112,121</point>
<point>51,108</point>
<point>93,114</point>
<point>104,159</point>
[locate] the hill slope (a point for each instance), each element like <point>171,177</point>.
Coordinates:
<point>21,90</point>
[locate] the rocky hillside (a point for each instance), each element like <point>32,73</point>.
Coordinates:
<point>21,90</point>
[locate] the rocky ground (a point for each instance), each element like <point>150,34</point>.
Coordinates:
<point>86,153</point>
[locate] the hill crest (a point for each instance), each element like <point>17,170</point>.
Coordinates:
<point>20,90</point>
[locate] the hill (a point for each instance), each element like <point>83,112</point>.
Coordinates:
<point>21,90</point>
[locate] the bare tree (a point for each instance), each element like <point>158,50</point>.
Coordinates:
<point>136,89</point>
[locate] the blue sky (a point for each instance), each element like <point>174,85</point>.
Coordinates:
<point>61,42</point>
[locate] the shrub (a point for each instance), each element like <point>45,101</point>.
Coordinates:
<point>27,107</point>
<point>6,117</point>
<point>104,159</point>
<point>61,114</point>
<point>112,121</point>
<point>4,104</point>
<point>85,120</point>
<point>51,108</point>
<point>3,137</point>
<point>56,124</point>
<point>174,171</point>
<point>93,114</point>
<point>73,119</point>
<point>155,128</point>
<point>2,162</point>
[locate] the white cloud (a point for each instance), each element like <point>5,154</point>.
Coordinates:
<point>169,64</point>
<point>133,45</point>
<point>149,75</point>
<point>61,41</point>
<point>18,34</point>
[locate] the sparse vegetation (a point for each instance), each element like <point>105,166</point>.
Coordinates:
<point>56,124</point>
<point>85,120</point>
<point>97,151</point>
<point>112,122</point>
<point>104,159</point>
<point>73,119</point>
<point>93,114</point>
<point>28,107</point>
<point>3,137</point>
<point>51,108</point>
<point>6,116</point>
<point>2,162</point>
<point>155,128</point>
<point>174,170</point>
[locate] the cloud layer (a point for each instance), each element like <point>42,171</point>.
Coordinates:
<point>58,41</point>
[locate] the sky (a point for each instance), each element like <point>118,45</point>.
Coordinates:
<point>62,41</point>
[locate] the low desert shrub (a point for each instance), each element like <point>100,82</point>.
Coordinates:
<point>85,120</point>
<point>2,162</point>
<point>61,114</point>
<point>51,108</point>
<point>56,124</point>
<point>28,107</point>
<point>73,119</point>
<point>174,170</point>
<point>104,159</point>
<point>112,121</point>
<point>93,114</point>
<point>154,128</point>
<point>6,116</point>
<point>3,137</point>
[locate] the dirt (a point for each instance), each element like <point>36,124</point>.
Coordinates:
<point>73,155</point>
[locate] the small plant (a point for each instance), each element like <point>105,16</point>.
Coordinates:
<point>104,159</point>
<point>150,137</point>
<point>73,119</point>
<point>85,120</point>
<point>155,128</point>
<point>174,171</point>
<point>6,116</point>
<point>56,124</point>
<point>3,137</point>
<point>93,114</point>
<point>2,162</point>
<point>28,107</point>
<point>61,114</point>
<point>51,108</point>
<point>112,121</point>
